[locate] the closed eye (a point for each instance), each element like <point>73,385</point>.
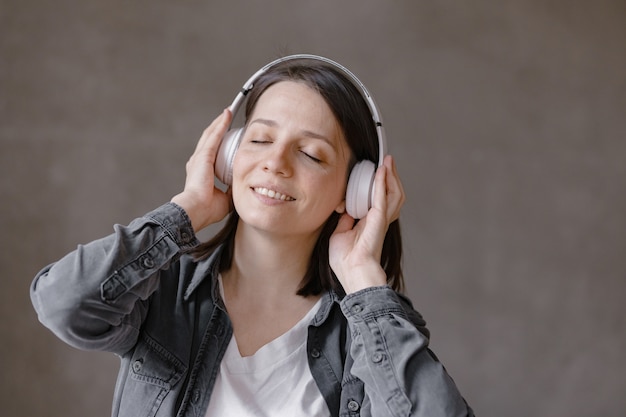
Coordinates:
<point>311,157</point>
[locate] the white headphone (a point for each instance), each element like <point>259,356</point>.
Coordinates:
<point>360,190</point>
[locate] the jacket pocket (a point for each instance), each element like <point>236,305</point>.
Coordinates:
<point>152,373</point>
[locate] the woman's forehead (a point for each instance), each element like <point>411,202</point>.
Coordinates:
<point>289,101</point>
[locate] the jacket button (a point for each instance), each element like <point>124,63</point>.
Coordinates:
<point>315,353</point>
<point>377,357</point>
<point>147,262</point>
<point>137,365</point>
<point>353,406</point>
<point>356,309</point>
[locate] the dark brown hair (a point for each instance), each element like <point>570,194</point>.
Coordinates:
<point>355,119</point>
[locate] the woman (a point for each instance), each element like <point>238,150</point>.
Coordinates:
<point>294,307</point>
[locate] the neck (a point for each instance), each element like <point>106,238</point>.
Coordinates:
<point>267,264</point>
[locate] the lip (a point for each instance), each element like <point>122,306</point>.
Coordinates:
<point>273,189</point>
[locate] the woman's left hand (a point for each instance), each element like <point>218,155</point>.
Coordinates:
<point>355,249</point>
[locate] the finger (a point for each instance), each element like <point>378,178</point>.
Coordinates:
<point>395,176</point>
<point>395,191</point>
<point>346,222</point>
<point>380,189</point>
<point>212,135</point>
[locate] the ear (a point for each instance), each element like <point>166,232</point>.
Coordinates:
<point>341,208</point>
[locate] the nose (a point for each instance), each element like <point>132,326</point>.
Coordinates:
<point>278,160</point>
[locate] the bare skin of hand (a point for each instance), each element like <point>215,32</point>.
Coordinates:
<point>355,249</point>
<point>204,203</point>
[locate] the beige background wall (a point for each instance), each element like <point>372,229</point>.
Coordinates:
<point>506,119</point>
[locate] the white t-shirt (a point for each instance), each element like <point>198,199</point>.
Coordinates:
<point>275,381</point>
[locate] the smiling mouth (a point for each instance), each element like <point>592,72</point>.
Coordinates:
<point>273,194</point>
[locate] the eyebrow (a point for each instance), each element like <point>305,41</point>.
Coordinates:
<point>305,132</point>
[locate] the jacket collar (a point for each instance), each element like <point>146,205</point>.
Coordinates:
<point>329,298</point>
<point>205,269</point>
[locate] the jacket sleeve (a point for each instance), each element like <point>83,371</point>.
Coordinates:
<point>96,297</point>
<point>402,377</point>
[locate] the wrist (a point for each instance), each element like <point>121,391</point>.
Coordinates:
<point>358,279</point>
<point>193,210</point>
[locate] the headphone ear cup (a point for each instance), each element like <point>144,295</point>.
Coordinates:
<point>226,155</point>
<point>360,187</point>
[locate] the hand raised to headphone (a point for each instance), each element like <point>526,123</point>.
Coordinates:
<point>355,249</point>
<point>203,202</point>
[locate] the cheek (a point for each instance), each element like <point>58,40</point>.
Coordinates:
<point>239,169</point>
<point>334,188</point>
<point>240,165</point>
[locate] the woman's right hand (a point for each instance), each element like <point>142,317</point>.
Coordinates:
<point>204,203</point>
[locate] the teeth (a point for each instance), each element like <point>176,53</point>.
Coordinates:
<point>273,194</point>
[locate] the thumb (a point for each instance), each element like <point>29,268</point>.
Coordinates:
<point>346,222</point>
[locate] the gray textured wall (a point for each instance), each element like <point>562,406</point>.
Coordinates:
<point>506,119</point>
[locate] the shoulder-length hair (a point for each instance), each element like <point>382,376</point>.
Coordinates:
<point>357,124</point>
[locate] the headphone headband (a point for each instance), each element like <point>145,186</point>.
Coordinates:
<point>248,85</point>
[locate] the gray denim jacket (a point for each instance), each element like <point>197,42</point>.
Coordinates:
<point>137,293</point>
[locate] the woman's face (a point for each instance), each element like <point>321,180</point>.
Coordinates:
<point>290,171</point>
